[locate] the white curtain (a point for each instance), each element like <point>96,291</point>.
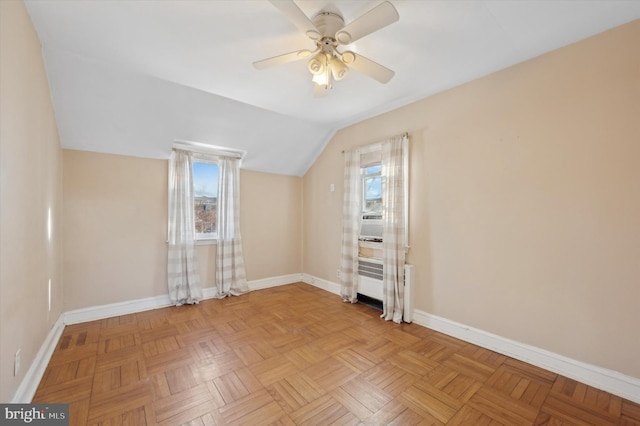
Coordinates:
<point>182,263</point>
<point>230,274</point>
<point>393,229</point>
<point>350,227</point>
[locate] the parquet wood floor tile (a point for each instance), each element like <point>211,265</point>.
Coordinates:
<point>296,355</point>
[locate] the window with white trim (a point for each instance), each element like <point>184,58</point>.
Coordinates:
<point>205,175</point>
<point>372,183</point>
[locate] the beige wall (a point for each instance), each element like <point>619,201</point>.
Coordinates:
<point>525,200</point>
<point>271,228</point>
<point>271,224</point>
<point>115,228</point>
<point>115,216</point>
<point>30,185</point>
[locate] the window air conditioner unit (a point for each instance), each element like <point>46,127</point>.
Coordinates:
<point>371,227</point>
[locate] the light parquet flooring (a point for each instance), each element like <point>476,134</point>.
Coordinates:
<point>298,355</point>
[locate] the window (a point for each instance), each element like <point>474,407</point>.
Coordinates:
<point>371,218</point>
<point>372,189</point>
<point>205,198</point>
<point>371,223</point>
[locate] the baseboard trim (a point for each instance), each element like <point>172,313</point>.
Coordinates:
<point>608,380</point>
<point>209,293</point>
<point>274,281</point>
<point>326,285</point>
<point>94,313</point>
<point>29,384</point>
<point>261,284</point>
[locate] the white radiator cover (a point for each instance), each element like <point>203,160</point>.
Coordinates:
<point>372,287</point>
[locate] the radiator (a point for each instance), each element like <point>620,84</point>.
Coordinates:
<point>370,283</point>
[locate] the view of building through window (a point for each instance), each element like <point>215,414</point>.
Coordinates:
<point>205,199</point>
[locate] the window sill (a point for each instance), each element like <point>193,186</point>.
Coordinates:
<point>206,242</point>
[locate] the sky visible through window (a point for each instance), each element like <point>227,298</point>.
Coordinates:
<point>205,179</point>
<point>373,184</point>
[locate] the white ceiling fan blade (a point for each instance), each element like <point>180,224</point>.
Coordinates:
<point>368,67</point>
<point>375,19</point>
<point>282,59</point>
<point>297,17</point>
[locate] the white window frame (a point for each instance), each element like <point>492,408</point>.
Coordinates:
<point>405,159</point>
<point>203,153</point>
<point>205,238</point>
<point>363,177</point>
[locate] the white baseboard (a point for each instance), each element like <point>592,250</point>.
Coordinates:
<point>261,284</point>
<point>94,313</point>
<point>29,384</point>
<point>608,380</point>
<point>209,293</point>
<point>274,281</point>
<point>329,286</point>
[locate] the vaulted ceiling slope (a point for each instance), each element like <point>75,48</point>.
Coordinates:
<point>130,77</point>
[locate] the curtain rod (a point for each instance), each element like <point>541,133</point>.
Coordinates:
<point>404,135</point>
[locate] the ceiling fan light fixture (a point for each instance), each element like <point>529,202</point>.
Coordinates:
<point>319,67</point>
<point>320,91</point>
<point>322,79</point>
<point>318,64</point>
<point>338,68</point>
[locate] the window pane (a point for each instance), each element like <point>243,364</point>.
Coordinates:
<point>372,170</point>
<point>205,186</point>
<point>373,194</point>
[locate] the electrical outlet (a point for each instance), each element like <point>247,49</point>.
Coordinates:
<point>16,363</point>
<point>338,273</point>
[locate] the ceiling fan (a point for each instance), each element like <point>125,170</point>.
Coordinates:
<point>328,32</point>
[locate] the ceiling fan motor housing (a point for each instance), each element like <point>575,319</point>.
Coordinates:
<point>328,24</point>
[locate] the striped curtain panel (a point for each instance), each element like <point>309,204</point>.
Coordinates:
<point>393,229</point>
<point>350,227</point>
<point>182,263</point>
<point>230,273</point>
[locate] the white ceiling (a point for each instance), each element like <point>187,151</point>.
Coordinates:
<point>131,76</point>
